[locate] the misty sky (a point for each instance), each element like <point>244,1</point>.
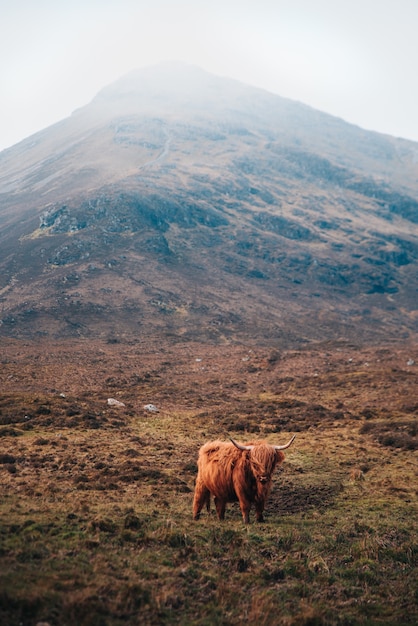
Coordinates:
<point>355,59</point>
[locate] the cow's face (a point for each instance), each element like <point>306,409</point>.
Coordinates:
<point>263,459</point>
<point>263,478</point>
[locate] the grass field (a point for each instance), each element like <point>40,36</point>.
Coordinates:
<point>95,509</point>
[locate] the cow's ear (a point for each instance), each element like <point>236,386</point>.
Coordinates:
<point>279,456</point>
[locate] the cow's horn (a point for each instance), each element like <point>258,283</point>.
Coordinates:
<point>240,446</point>
<point>289,443</point>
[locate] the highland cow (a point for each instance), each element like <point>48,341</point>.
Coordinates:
<point>231,472</point>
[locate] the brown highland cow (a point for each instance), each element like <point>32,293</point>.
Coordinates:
<point>231,472</point>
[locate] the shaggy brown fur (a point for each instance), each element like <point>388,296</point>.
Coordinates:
<point>230,474</point>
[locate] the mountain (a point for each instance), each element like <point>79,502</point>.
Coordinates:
<point>186,206</point>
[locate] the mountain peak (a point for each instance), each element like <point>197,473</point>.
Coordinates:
<point>174,84</point>
<point>173,76</point>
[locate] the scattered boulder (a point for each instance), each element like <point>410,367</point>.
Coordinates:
<point>151,408</point>
<point>113,402</point>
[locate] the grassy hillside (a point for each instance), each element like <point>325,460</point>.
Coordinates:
<point>95,508</point>
<point>178,203</point>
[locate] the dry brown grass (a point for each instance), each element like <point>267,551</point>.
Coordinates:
<point>95,509</point>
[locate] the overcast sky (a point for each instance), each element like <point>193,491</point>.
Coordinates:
<point>356,59</point>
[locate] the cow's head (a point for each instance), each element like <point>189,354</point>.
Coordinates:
<point>263,458</point>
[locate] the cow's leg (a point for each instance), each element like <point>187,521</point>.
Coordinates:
<point>208,502</point>
<point>220,507</point>
<point>259,508</point>
<point>244,502</point>
<point>246,513</point>
<point>245,506</point>
<point>201,497</point>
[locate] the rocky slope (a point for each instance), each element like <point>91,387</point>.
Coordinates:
<point>183,205</point>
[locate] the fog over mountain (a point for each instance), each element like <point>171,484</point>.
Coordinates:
<point>187,206</point>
